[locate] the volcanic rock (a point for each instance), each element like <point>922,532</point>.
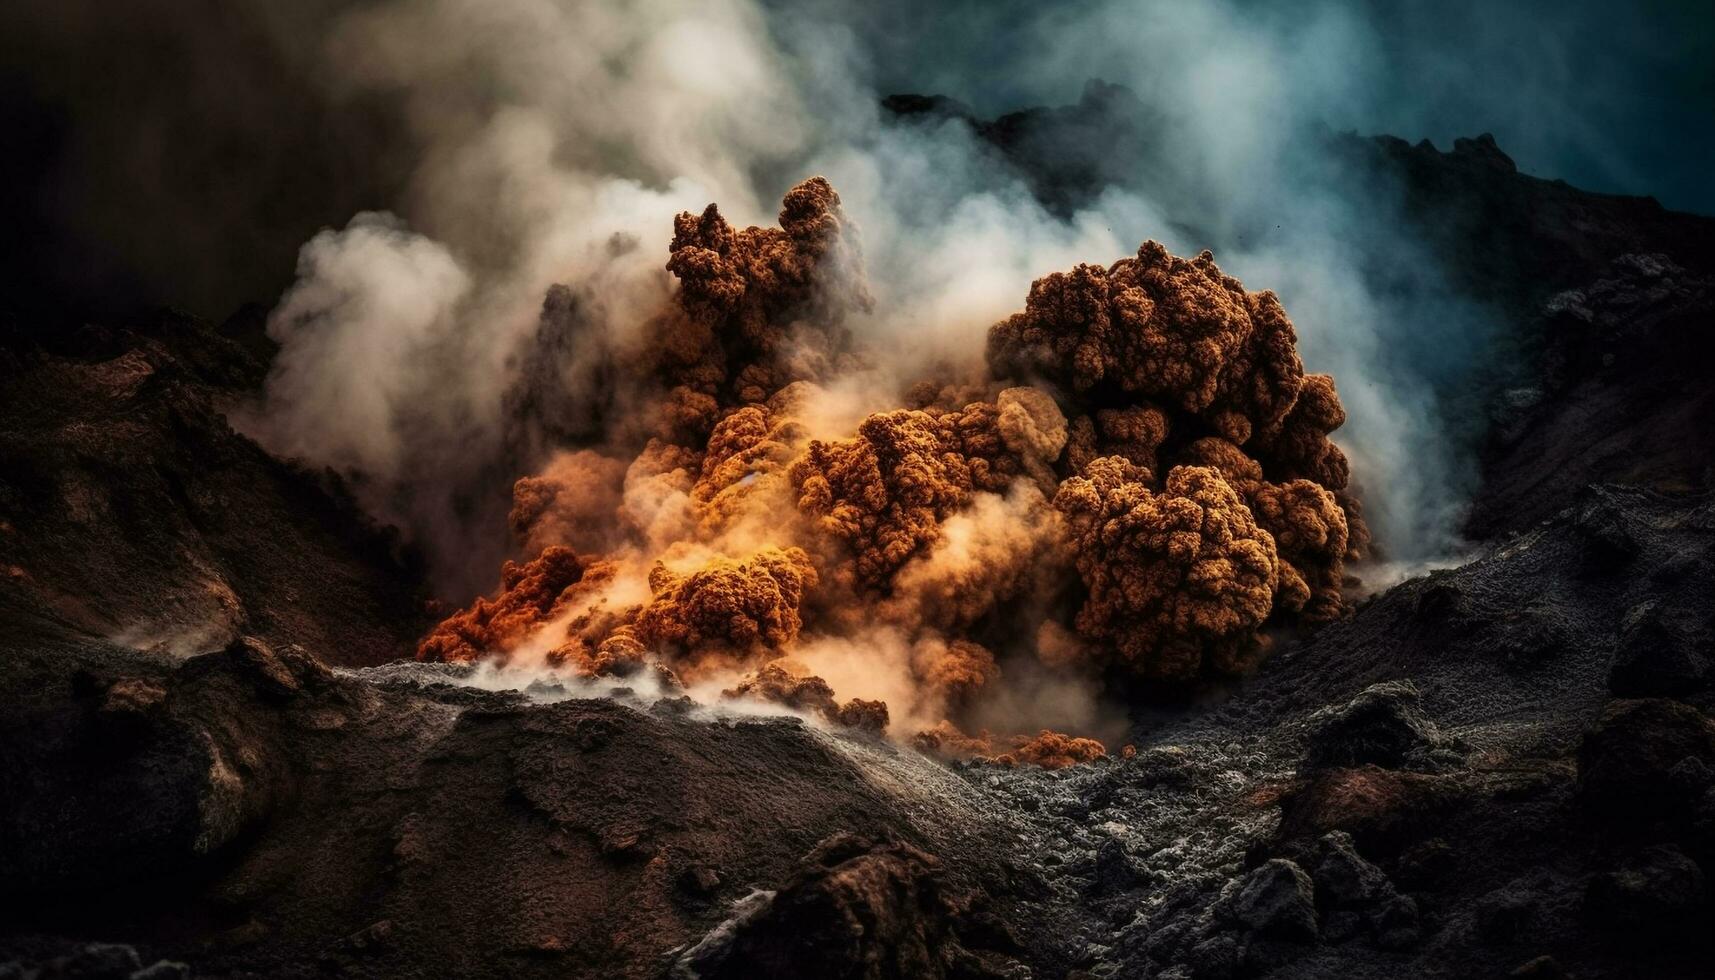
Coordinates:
<point>1344,878</point>
<point>1277,900</point>
<point>1382,726</point>
<point>853,909</point>
<point>1113,869</point>
<point>262,787</point>
<point>1541,968</point>
<point>1626,763</point>
<point>1657,891</point>
<point>1662,653</point>
<point>1624,361</point>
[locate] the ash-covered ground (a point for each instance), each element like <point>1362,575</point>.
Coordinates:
<point>1505,767</point>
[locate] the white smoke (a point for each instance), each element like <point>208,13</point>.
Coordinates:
<point>373,293</point>
<point>552,129</point>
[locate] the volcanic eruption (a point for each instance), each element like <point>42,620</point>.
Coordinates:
<point>1141,483</point>
<point>553,574</point>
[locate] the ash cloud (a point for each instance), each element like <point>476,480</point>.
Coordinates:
<point>525,136</point>
<point>499,304</point>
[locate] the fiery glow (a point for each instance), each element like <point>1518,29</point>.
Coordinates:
<point>1138,484</point>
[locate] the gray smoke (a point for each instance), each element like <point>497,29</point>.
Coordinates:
<point>516,144</point>
<point>548,128</point>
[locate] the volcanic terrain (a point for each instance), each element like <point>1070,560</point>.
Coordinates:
<point>240,736</point>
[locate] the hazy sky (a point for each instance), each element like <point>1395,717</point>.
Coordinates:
<point>1617,97</point>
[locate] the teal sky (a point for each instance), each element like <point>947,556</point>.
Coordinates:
<point>1615,97</point>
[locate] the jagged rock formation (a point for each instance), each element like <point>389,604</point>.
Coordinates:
<point>1517,239</point>
<point>854,909</point>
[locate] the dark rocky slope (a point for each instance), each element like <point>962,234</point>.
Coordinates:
<point>130,510</point>
<point>1484,767</point>
<point>1619,391</point>
<point>254,813</point>
<point>1516,239</point>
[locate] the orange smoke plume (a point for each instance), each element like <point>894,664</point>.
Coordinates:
<point>885,493</point>
<point>1162,328</point>
<point>757,308</point>
<point>531,594</point>
<point>775,684</point>
<point>727,611</point>
<point>1179,579</point>
<point>1140,483</point>
<point>574,501</point>
<point>1048,749</point>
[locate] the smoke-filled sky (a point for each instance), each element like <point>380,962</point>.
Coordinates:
<point>425,170</point>
<point>178,151</point>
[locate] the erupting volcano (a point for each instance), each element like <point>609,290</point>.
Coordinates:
<point>437,541</point>
<point>1141,485</point>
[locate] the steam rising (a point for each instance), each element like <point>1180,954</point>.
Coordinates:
<point>370,294</point>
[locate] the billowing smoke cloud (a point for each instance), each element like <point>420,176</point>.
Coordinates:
<point>973,548</point>
<point>535,139</point>
<point>233,142</point>
<point>519,314</point>
<point>553,136</point>
<point>371,294</point>
<point>493,326</point>
<point>1233,158</point>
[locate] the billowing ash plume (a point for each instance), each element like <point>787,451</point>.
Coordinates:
<point>507,369</point>
<point>1192,499</point>
<point>546,142</point>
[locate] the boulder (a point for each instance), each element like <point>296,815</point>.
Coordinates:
<point>1382,726</point>
<point>1276,900</point>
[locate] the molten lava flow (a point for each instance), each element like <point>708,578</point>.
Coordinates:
<point>1139,484</point>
